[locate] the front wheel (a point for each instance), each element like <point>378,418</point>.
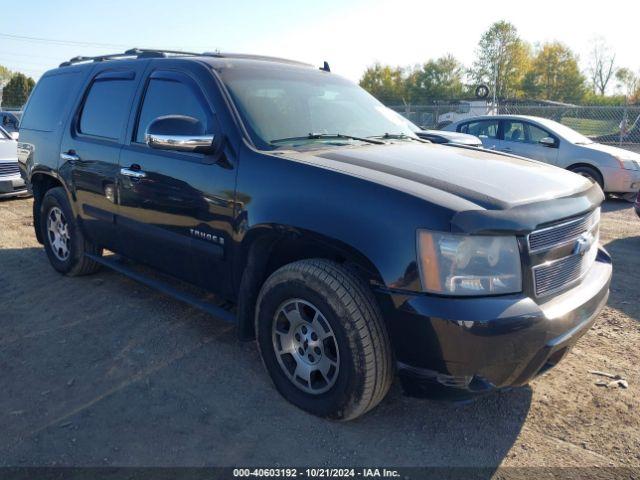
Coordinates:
<point>590,173</point>
<point>64,241</point>
<point>323,340</point>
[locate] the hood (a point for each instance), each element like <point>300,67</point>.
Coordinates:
<point>8,149</point>
<point>484,180</point>
<point>615,151</point>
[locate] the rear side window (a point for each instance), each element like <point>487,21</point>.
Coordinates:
<point>106,107</point>
<point>49,101</point>
<point>481,128</point>
<point>171,97</point>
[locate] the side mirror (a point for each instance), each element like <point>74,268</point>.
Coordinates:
<point>547,142</point>
<point>14,135</point>
<point>179,133</point>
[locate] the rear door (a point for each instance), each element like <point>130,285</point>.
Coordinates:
<point>90,149</point>
<point>523,138</point>
<point>176,213</point>
<point>486,130</point>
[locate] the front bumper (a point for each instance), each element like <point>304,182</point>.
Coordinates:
<point>620,180</point>
<point>11,186</point>
<point>475,345</point>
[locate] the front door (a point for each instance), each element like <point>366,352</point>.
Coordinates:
<point>176,208</point>
<point>523,138</point>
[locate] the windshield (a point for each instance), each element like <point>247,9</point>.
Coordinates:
<point>283,106</point>
<point>569,134</point>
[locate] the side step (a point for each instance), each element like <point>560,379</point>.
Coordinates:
<point>166,288</point>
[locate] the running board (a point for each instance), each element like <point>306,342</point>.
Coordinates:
<point>165,288</point>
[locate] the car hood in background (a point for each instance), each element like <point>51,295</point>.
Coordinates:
<point>8,150</point>
<point>455,137</point>
<point>611,150</point>
<point>488,180</point>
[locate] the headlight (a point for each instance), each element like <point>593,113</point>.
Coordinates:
<point>452,264</point>
<point>627,163</point>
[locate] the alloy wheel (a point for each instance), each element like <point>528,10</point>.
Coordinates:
<point>305,346</point>
<point>58,232</point>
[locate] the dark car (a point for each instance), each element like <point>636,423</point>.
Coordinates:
<point>637,204</point>
<point>10,121</point>
<point>349,248</point>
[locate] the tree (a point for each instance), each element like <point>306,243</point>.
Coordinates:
<point>502,59</point>
<point>440,79</point>
<point>601,65</point>
<point>554,75</point>
<point>5,75</point>
<point>385,83</point>
<point>17,90</point>
<point>629,83</point>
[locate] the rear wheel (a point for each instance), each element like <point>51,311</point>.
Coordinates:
<point>590,173</point>
<point>64,241</point>
<point>323,340</point>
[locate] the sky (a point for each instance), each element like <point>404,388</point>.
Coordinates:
<point>349,34</point>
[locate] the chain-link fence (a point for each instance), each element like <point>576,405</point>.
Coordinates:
<point>616,125</point>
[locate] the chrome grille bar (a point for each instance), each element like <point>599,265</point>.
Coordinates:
<point>563,233</point>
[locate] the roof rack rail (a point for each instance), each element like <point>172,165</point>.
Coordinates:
<point>137,53</point>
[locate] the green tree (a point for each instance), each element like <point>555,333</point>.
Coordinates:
<point>502,59</point>
<point>385,83</point>
<point>17,90</point>
<point>554,75</point>
<point>440,79</point>
<point>5,75</point>
<point>629,82</point>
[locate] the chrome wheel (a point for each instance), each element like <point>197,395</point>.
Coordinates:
<point>58,232</point>
<point>305,346</point>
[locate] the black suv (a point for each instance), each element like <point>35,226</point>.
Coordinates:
<point>350,248</point>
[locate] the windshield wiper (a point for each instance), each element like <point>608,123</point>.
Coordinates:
<point>400,136</point>
<point>322,136</point>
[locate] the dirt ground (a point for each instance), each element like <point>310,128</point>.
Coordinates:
<point>103,371</point>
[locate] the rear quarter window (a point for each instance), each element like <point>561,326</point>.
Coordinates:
<point>47,107</point>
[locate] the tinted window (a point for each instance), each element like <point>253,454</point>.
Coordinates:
<point>169,97</point>
<point>49,101</point>
<point>481,128</point>
<point>106,108</point>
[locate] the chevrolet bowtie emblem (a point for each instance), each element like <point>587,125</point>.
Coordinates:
<point>583,244</point>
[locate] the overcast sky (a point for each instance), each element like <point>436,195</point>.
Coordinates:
<point>350,35</point>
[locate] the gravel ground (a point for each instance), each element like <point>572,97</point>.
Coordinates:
<point>103,371</point>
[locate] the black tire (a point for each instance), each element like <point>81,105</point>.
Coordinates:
<point>365,360</point>
<point>75,263</point>
<point>589,172</point>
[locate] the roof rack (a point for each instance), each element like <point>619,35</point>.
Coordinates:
<point>160,53</point>
<point>138,53</point>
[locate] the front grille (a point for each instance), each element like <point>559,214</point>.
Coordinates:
<point>563,233</point>
<point>9,168</point>
<point>558,274</point>
<point>554,276</point>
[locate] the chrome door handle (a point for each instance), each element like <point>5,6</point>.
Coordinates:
<point>69,157</point>
<point>506,149</point>
<point>127,172</point>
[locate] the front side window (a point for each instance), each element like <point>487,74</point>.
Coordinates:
<point>171,97</point>
<point>279,104</point>
<point>481,128</point>
<point>514,131</point>
<point>107,107</point>
<point>536,133</point>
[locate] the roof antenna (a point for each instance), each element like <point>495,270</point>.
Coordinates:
<point>325,67</point>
